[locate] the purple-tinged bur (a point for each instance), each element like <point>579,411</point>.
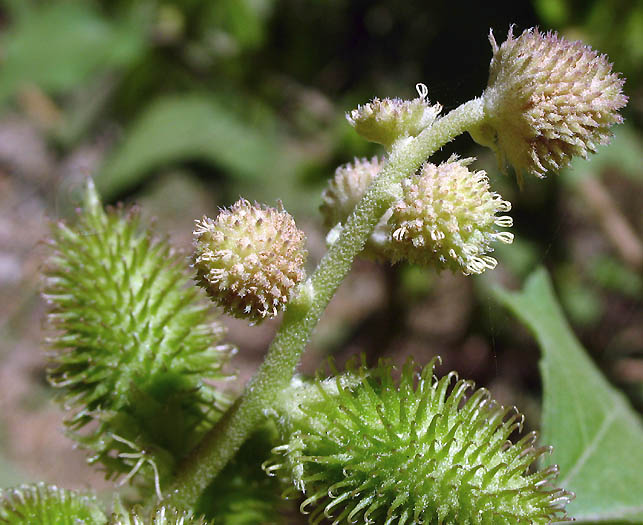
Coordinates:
<point>547,100</point>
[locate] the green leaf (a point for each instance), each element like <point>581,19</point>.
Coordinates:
<point>176,128</point>
<point>57,46</point>
<point>597,436</point>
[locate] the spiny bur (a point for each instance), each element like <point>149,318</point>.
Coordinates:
<point>134,343</point>
<point>548,100</point>
<point>447,218</point>
<point>364,448</point>
<point>250,259</point>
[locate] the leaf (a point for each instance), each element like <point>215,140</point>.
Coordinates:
<point>597,436</point>
<point>176,128</point>
<point>57,46</point>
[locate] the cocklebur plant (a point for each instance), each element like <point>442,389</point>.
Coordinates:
<point>135,346</point>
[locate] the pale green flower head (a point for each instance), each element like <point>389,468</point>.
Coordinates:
<point>346,189</point>
<point>341,196</point>
<point>386,120</point>
<point>249,259</point>
<point>447,218</point>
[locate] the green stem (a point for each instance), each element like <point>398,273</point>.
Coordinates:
<point>275,373</point>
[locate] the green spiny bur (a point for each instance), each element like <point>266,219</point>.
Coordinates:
<point>48,505</point>
<point>365,448</point>
<point>134,343</point>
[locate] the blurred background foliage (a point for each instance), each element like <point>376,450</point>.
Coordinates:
<point>186,105</point>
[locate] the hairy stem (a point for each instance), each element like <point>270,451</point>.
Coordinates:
<point>300,319</point>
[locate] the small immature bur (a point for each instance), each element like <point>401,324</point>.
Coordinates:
<point>249,259</point>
